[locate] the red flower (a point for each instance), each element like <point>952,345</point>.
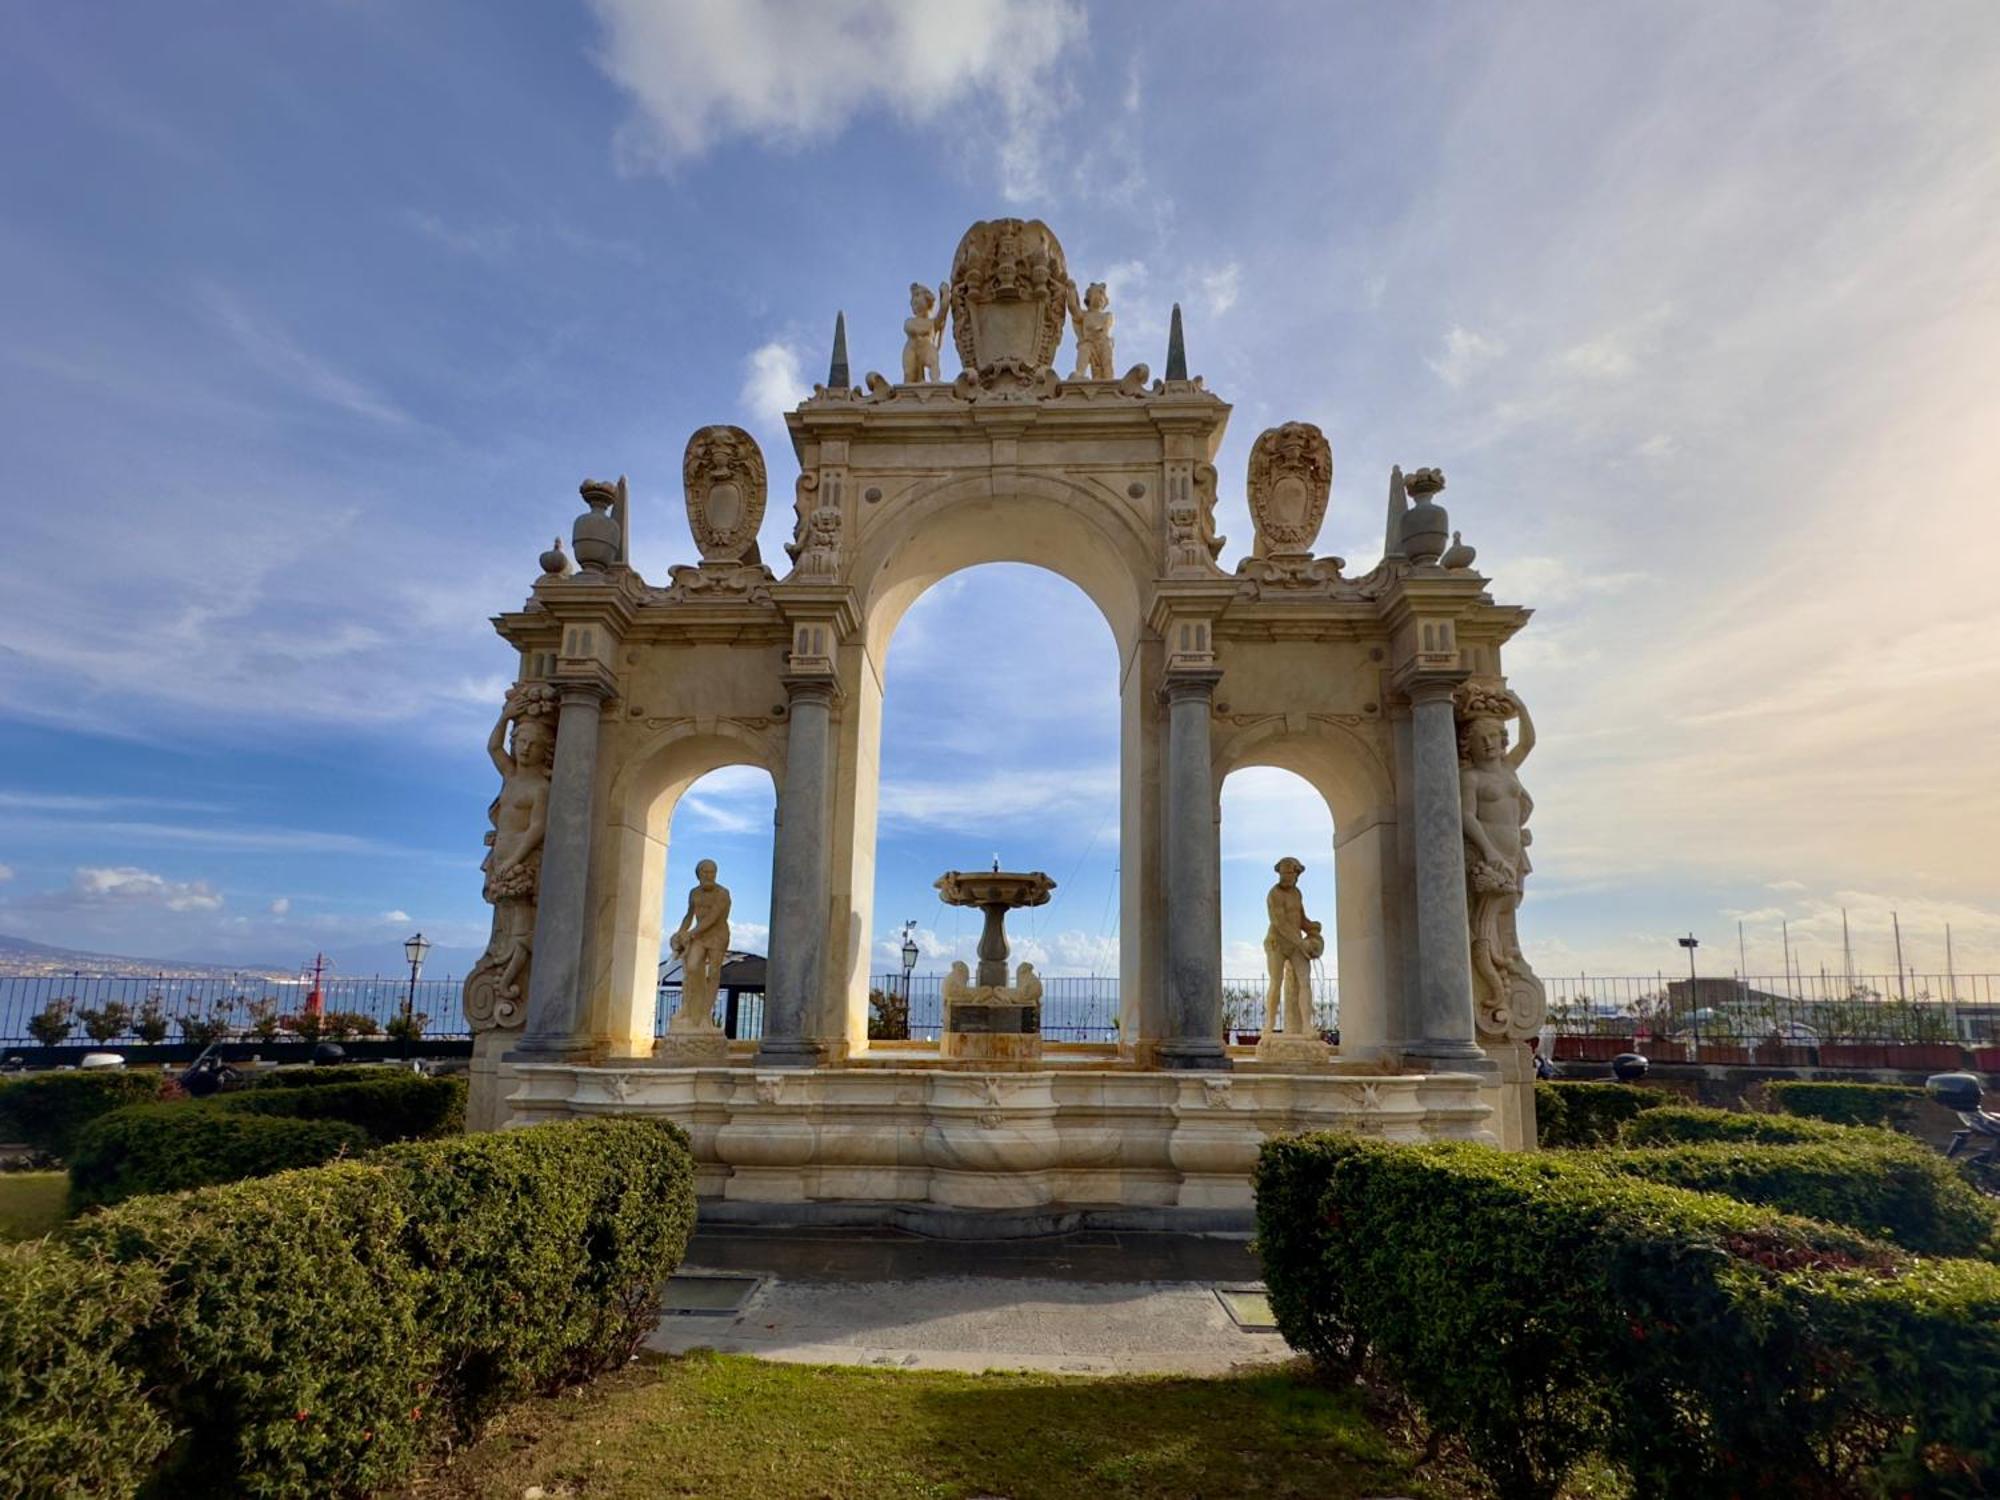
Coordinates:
<point>300,1416</point>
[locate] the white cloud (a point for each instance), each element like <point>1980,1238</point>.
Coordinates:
<point>1785,885</point>
<point>130,885</point>
<point>1001,796</point>
<point>1219,288</point>
<point>281,906</point>
<point>773,382</point>
<point>488,242</point>
<point>6,872</point>
<point>787,74</point>
<point>1464,352</point>
<point>398,917</point>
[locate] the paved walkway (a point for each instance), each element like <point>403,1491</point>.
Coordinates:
<point>1090,1304</point>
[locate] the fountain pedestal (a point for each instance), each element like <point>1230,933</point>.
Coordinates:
<point>991,1019</point>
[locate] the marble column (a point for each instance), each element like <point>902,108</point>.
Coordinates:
<point>1443,1028</point>
<point>799,879</point>
<point>1194,880</point>
<point>554,1023</point>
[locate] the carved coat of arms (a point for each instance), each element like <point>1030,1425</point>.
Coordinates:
<point>723,473</point>
<point>1291,475</point>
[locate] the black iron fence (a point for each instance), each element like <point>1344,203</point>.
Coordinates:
<point>72,1009</point>
<point>1769,1017</point>
<point>1078,1007</point>
<point>1796,1020</point>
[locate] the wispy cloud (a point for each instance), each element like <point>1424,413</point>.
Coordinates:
<point>272,349</point>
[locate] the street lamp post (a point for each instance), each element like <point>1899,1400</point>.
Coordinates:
<point>1691,942</point>
<point>909,966</point>
<point>414,949</point>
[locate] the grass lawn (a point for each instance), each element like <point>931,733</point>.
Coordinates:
<point>31,1203</point>
<point>724,1426</point>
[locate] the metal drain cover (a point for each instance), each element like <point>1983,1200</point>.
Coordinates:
<point>702,1296</point>
<point>1248,1306</point>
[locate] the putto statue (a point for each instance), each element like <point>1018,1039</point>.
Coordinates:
<point>1092,320</point>
<point>702,944</point>
<point>923,332</point>
<point>522,748</point>
<point>1508,998</point>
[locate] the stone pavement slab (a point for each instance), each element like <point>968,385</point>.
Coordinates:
<point>1100,1304</point>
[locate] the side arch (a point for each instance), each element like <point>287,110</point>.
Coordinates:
<point>642,792</point>
<point>1352,773</point>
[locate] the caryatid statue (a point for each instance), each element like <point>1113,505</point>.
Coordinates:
<point>702,944</point>
<point>1510,1001</point>
<point>1092,320</point>
<point>923,332</point>
<point>522,747</point>
<point>1290,946</point>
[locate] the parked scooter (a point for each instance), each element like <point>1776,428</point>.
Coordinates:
<point>1961,1093</point>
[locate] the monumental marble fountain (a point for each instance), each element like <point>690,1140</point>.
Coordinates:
<point>1385,691</point>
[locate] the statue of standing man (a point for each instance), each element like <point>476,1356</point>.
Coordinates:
<point>702,943</point>
<point>1290,946</point>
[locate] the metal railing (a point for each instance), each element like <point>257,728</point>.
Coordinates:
<point>246,1007</point>
<point>1763,1015</point>
<point>1084,1007</point>
<point>1776,1015</point>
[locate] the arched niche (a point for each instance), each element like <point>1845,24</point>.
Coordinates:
<point>630,858</point>
<point>1349,768</point>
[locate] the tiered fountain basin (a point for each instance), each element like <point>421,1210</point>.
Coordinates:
<point>992,1150</point>
<point>993,1017</point>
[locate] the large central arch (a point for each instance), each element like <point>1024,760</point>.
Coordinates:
<point>1046,521</point>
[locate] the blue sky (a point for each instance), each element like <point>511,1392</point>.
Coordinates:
<point>317,313</point>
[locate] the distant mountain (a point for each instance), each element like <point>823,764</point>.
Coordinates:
<point>19,957</point>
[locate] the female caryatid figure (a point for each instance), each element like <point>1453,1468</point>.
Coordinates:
<point>923,332</point>
<point>520,818</point>
<point>1092,319</point>
<point>1495,809</point>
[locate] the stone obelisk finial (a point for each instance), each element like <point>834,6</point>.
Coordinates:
<point>837,378</point>
<point>1176,349</point>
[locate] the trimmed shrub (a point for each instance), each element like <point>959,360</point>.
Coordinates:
<point>167,1148</point>
<point>399,1107</point>
<point>1912,1198</point>
<point>313,1333</point>
<point>1694,1126</point>
<point>73,1415</point>
<point>323,1077</point>
<point>1589,1114</point>
<point>557,1303</point>
<point>46,1110</point>
<point>1846,1103</point>
<point>286,1349</point>
<point>1544,1310</point>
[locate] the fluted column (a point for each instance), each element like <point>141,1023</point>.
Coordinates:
<point>553,1025</point>
<point>1443,1024</point>
<point>1194,879</point>
<point>799,879</point>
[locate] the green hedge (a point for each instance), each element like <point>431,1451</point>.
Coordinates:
<point>73,1418</point>
<point>1911,1198</point>
<point>1544,1310</point>
<point>400,1107</point>
<point>314,1333</point>
<point>1847,1103</point>
<point>323,1076</point>
<point>167,1148</point>
<point>1589,1114</point>
<point>46,1110</point>
<point>1692,1126</point>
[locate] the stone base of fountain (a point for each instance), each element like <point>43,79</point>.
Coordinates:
<point>992,1023</point>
